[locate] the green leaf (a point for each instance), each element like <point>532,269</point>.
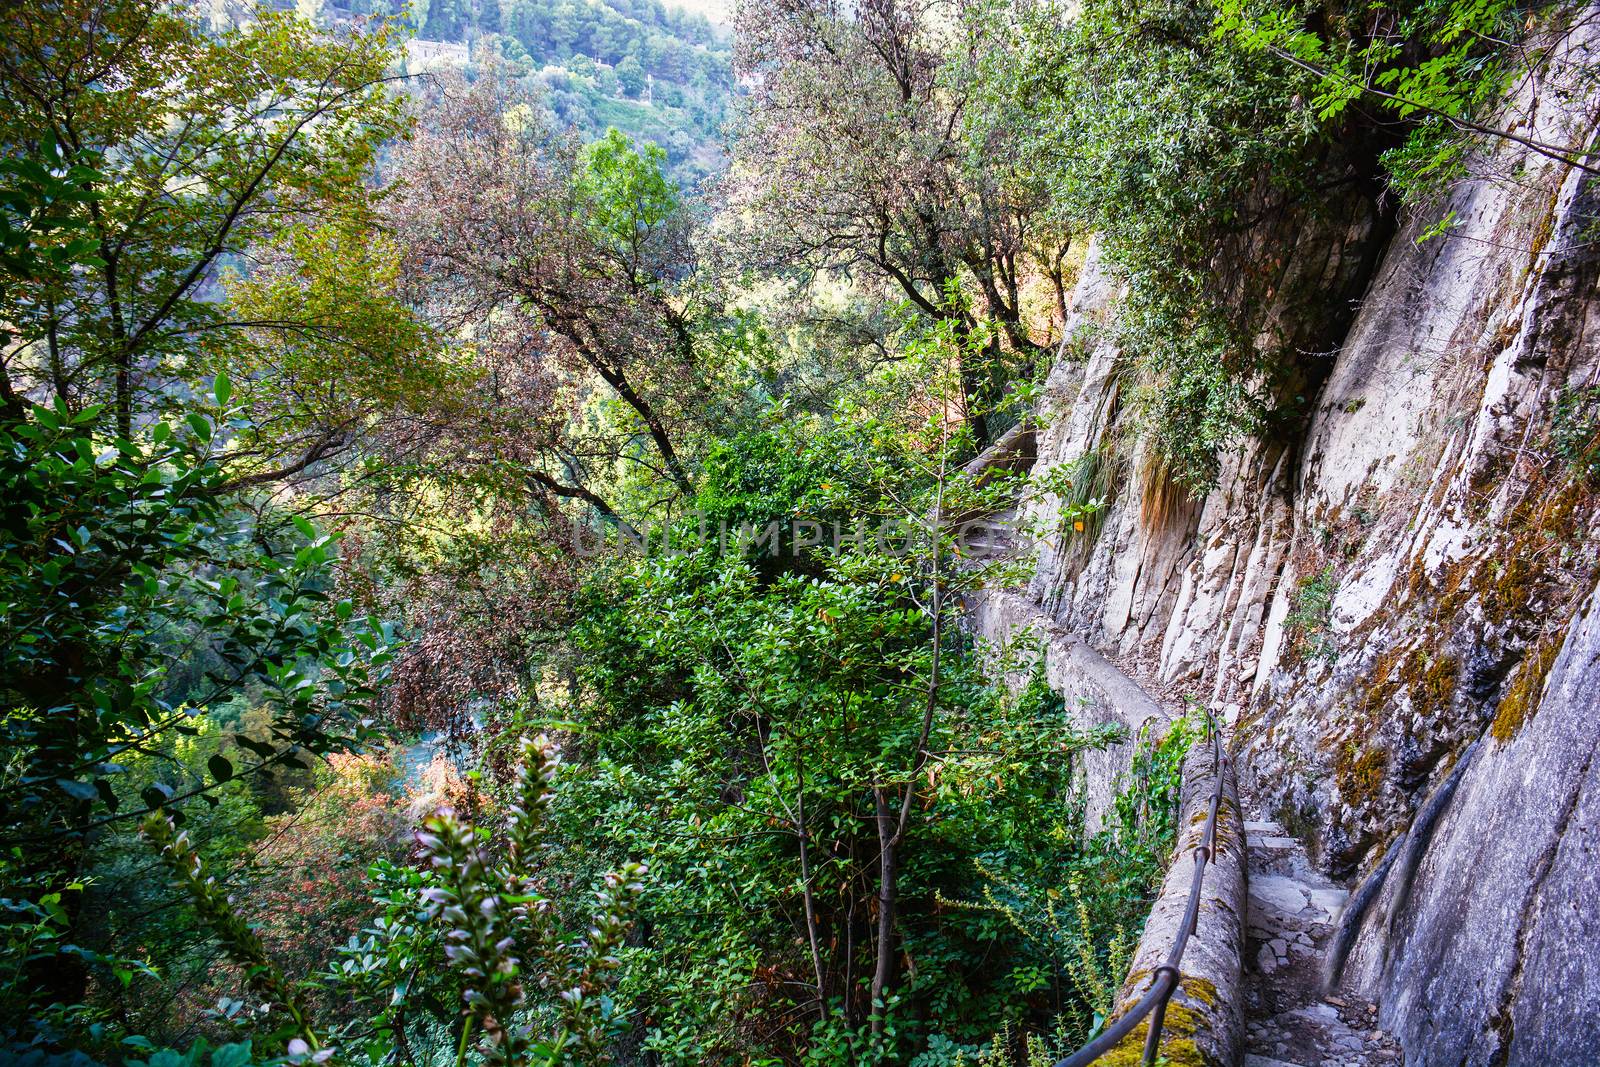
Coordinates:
<point>157,795</point>
<point>238,1055</point>
<point>260,748</point>
<point>222,388</point>
<point>77,790</point>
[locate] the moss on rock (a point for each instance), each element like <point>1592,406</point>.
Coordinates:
<point>1431,681</point>
<point>1521,700</point>
<point>1178,1046</point>
<point>1360,773</point>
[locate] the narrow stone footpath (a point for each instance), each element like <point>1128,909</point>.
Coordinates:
<point>1289,1022</point>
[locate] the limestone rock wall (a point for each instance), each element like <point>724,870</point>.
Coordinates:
<point>1410,573</point>
<point>1487,950</point>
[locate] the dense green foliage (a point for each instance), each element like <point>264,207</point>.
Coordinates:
<point>120,558</point>
<point>1157,136</point>
<point>1442,67</point>
<point>759,722</point>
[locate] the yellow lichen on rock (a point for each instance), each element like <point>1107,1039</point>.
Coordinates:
<point>1522,698</point>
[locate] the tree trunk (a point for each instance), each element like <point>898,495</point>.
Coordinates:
<point>974,387</point>
<point>611,372</point>
<point>807,894</point>
<point>888,841</point>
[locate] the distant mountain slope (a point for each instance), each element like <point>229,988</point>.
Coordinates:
<point>658,74</point>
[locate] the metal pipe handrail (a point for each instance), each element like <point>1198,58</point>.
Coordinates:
<point>1167,975</point>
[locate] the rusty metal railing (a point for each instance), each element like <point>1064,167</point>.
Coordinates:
<point>1154,1002</point>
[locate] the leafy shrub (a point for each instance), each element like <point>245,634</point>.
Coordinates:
<point>1575,432</point>
<point>1310,619</point>
<point>474,919</point>
<point>750,727</point>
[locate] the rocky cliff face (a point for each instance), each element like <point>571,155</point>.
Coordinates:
<point>1411,572</point>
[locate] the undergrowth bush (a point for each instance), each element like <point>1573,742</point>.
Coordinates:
<point>1310,618</point>
<point>761,728</point>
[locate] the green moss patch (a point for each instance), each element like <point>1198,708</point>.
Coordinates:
<point>1521,700</point>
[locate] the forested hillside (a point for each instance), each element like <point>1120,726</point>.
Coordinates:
<point>533,557</point>
<point>657,73</point>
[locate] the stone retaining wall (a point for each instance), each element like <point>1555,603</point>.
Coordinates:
<point>1204,1023</point>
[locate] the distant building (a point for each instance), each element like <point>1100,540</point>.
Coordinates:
<point>422,55</point>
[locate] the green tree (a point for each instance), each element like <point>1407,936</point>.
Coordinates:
<point>279,123</point>
<point>490,17</point>
<point>359,366</point>
<point>447,20</point>
<point>579,266</point>
<point>630,75</point>
<point>1440,68</point>
<point>627,196</point>
<point>527,21</point>
<point>566,28</point>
